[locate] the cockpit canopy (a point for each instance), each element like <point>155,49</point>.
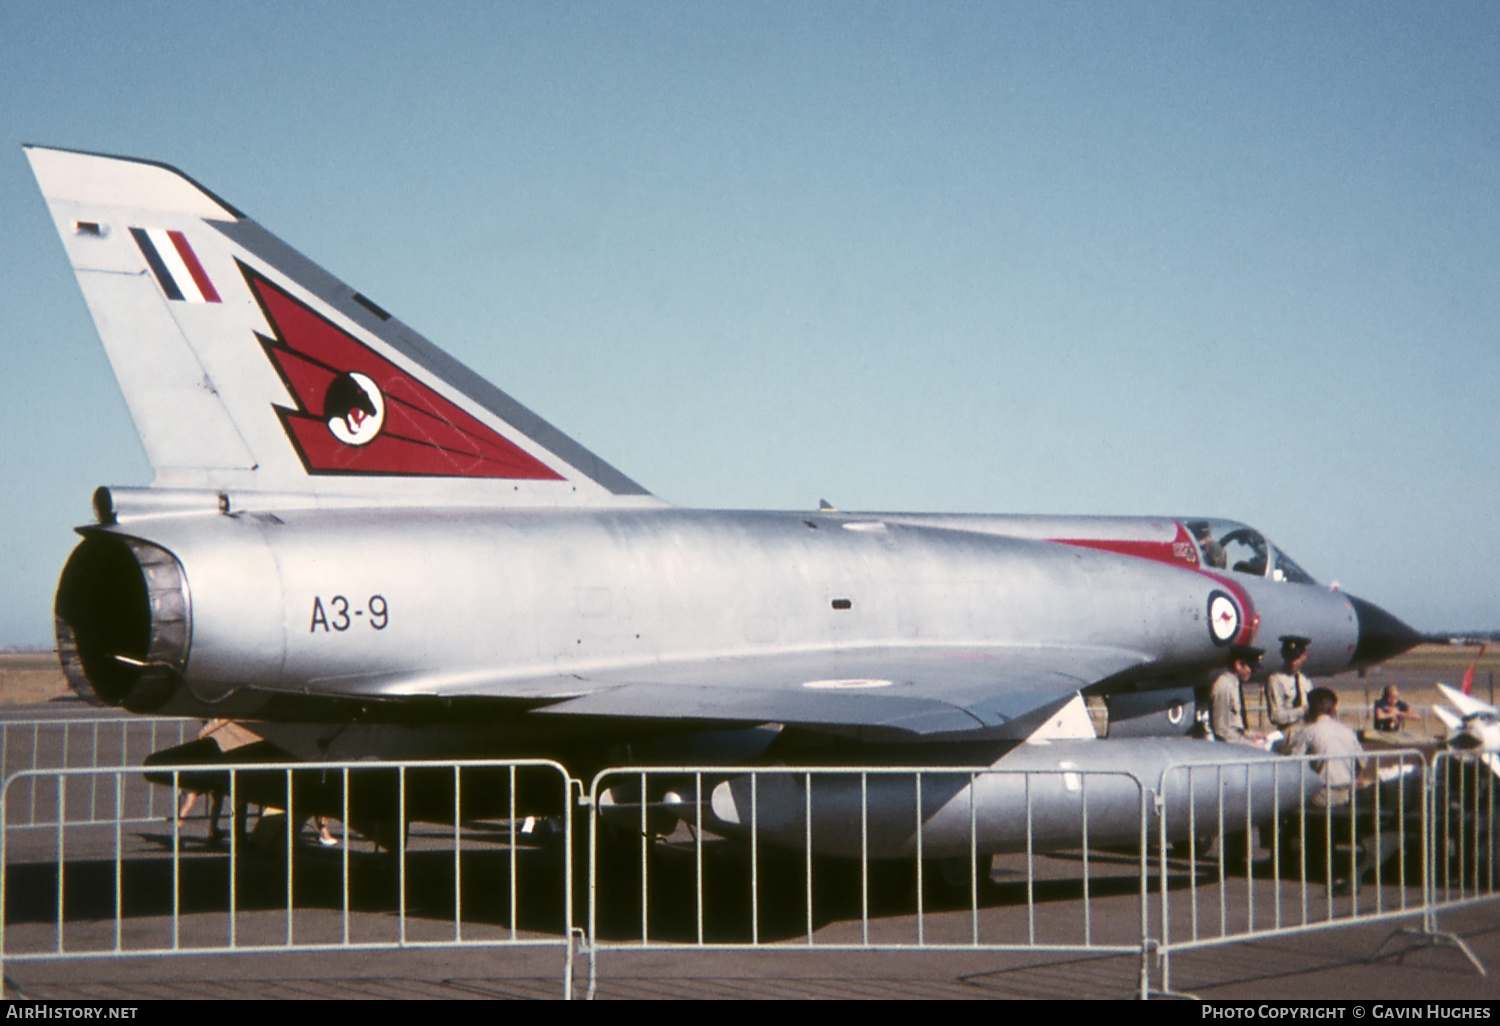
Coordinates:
<point>1239,548</point>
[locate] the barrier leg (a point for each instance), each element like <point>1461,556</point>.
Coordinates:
<point>1429,937</point>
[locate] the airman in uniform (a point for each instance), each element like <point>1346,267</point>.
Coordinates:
<point>1286,692</point>
<point>1226,710</point>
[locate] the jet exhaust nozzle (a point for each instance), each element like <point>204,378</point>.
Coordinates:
<point>123,622</point>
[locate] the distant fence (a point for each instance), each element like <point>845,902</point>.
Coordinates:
<point>79,742</point>
<point>1426,723</point>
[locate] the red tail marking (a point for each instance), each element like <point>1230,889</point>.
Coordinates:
<point>423,435</point>
<point>1467,684</point>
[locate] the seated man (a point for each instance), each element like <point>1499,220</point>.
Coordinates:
<point>1324,735</point>
<point>1213,552</point>
<point>1341,847</point>
<point>1390,712</point>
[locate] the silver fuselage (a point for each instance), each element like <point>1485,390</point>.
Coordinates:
<point>392,603</point>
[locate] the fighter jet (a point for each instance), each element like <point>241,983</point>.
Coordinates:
<point>1475,727</point>
<point>364,547</point>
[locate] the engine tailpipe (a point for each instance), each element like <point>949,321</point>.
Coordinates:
<point>123,622</point>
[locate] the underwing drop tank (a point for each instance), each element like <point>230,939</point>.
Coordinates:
<point>1061,794</point>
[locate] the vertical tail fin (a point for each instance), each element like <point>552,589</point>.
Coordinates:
<point>247,367</point>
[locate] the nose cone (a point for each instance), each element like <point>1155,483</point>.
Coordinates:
<point>1381,635</point>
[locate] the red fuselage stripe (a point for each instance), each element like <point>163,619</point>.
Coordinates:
<point>1178,552</point>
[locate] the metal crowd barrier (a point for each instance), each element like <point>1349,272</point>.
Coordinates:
<point>86,742</point>
<point>481,853</point>
<point>81,887</point>
<point>857,858</point>
<point>1336,853</point>
<point>1463,829</point>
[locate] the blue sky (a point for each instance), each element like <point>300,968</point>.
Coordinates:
<point>1219,259</point>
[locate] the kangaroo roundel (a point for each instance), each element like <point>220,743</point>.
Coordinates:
<point>1223,618</point>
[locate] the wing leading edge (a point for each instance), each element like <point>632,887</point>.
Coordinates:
<point>989,691</point>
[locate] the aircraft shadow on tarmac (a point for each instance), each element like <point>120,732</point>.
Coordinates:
<point>201,889</point>
<point>488,864</point>
<point>839,892</point>
<point>147,889</point>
